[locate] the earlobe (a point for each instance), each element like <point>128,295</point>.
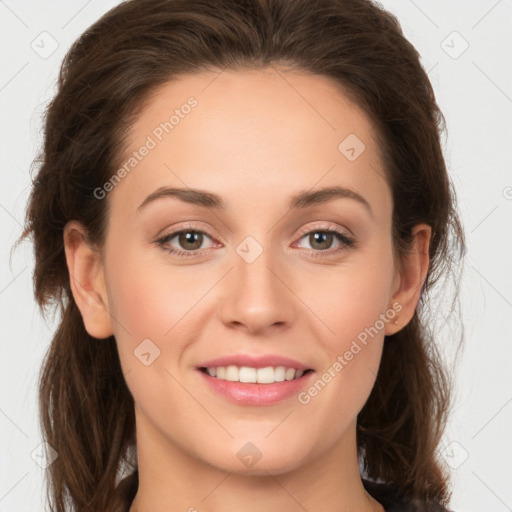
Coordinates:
<point>87,281</point>
<point>415,265</point>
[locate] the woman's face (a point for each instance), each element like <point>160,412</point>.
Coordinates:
<point>263,276</point>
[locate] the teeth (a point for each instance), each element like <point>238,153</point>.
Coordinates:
<point>267,375</point>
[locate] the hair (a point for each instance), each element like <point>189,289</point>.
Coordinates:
<point>106,78</point>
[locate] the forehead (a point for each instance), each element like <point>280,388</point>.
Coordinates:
<point>260,130</point>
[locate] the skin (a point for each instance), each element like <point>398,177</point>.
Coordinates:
<point>274,133</point>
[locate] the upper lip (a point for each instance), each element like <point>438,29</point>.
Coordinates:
<point>254,361</point>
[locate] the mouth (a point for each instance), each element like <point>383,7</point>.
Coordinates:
<point>249,386</point>
<point>250,375</point>
<point>255,380</point>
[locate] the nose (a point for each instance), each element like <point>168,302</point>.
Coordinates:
<point>256,296</point>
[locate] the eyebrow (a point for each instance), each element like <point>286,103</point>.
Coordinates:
<point>301,200</point>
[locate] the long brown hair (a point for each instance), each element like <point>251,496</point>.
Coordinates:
<point>87,411</point>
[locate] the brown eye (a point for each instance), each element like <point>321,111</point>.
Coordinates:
<point>185,242</point>
<point>191,240</point>
<point>321,240</point>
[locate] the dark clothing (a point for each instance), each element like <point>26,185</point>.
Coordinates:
<point>393,500</point>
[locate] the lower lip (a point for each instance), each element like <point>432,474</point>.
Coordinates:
<point>243,393</point>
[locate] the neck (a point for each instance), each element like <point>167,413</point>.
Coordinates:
<point>172,480</point>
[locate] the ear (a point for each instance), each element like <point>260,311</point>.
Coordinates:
<point>410,278</point>
<point>86,278</point>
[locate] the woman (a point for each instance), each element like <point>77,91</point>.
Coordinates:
<point>281,360</point>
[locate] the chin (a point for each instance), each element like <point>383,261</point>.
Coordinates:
<point>251,462</point>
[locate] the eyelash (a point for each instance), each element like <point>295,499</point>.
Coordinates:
<point>346,241</point>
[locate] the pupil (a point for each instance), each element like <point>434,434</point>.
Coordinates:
<point>324,236</point>
<point>189,237</point>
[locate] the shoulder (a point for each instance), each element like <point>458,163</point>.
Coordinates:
<point>393,500</point>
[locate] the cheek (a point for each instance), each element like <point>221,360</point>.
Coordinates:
<point>151,321</point>
<point>354,306</point>
<point>352,298</point>
<point>150,300</point>
<point>158,311</point>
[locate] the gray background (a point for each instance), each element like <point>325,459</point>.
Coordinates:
<point>474,89</point>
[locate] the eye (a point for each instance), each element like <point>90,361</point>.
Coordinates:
<point>322,238</point>
<point>189,239</point>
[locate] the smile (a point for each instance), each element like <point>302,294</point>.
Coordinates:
<point>267,375</point>
<point>252,392</point>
